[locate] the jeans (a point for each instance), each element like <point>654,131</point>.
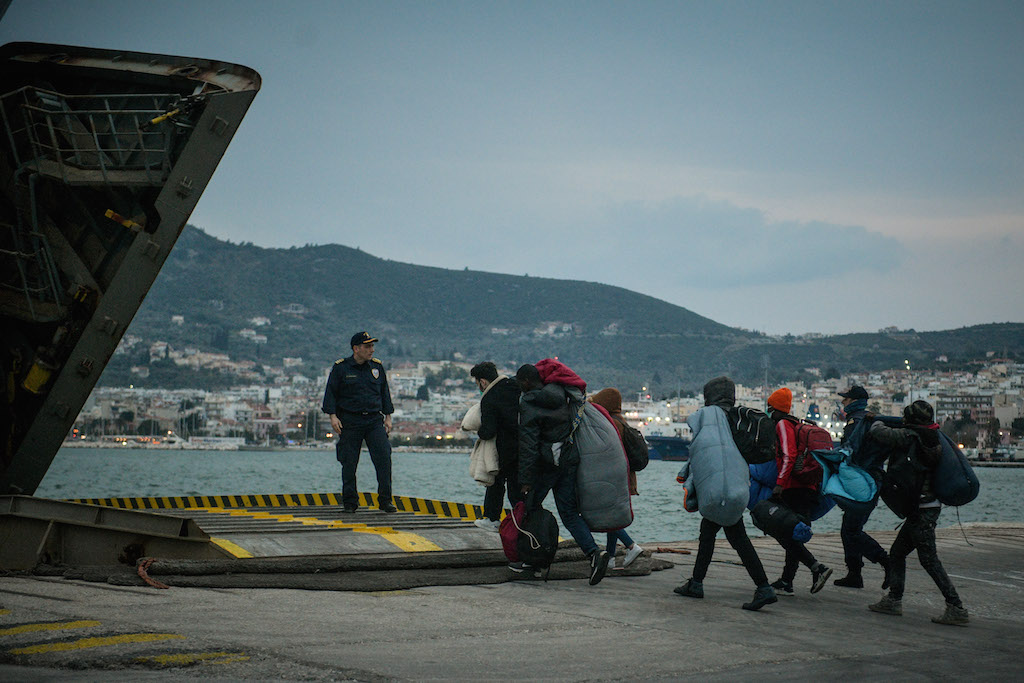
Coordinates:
<point>738,539</point>
<point>562,483</point>
<point>350,441</point>
<point>614,537</point>
<point>857,544</point>
<point>918,533</point>
<point>494,495</point>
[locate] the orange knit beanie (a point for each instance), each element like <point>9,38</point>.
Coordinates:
<point>781,400</point>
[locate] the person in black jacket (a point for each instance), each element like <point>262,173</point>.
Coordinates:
<point>548,463</point>
<point>499,420</point>
<point>918,436</point>
<point>869,454</point>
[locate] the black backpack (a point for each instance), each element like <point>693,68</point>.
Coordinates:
<point>903,481</point>
<point>754,434</point>
<point>538,538</point>
<point>635,446</point>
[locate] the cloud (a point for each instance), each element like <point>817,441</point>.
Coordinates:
<point>699,243</point>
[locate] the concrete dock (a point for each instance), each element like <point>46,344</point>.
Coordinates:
<point>625,628</point>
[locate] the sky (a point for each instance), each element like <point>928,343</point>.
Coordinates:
<point>779,166</point>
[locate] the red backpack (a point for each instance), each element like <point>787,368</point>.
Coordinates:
<point>810,437</point>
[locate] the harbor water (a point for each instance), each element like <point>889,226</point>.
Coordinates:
<point>658,510</point>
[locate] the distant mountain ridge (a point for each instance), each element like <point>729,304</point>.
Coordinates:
<point>316,297</point>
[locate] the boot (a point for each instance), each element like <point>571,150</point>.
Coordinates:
<point>953,616</point>
<point>764,595</point>
<point>884,564</point>
<point>852,579</point>
<point>887,605</point>
<point>691,589</point>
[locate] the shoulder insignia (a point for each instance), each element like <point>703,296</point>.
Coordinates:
<point>340,360</point>
<point>377,360</point>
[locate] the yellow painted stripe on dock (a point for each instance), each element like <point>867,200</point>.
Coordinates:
<point>186,658</point>
<point>85,643</point>
<point>47,626</point>
<point>233,548</point>
<point>404,540</point>
<point>4,611</point>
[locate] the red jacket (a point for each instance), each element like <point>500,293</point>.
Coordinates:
<point>785,458</point>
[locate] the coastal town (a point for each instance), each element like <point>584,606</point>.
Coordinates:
<point>276,406</point>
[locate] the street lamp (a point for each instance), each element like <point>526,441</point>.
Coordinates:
<point>910,381</point>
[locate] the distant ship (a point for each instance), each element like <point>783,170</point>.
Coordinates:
<point>667,440</point>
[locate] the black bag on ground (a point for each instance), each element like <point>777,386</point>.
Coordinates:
<point>754,434</point>
<point>903,481</point>
<point>636,447</point>
<point>538,538</point>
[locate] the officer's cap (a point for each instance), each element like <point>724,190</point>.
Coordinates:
<point>362,338</point>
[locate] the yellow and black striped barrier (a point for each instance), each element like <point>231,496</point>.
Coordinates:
<point>418,506</point>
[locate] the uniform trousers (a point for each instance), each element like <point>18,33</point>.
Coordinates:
<point>353,434</point>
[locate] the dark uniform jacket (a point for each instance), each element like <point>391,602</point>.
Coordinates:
<point>499,420</point>
<point>544,418</point>
<point>354,389</point>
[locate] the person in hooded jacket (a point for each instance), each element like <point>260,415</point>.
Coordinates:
<point>721,480</point>
<point>871,455</point>
<point>499,420</point>
<point>611,400</point>
<point>919,436</point>
<point>796,490</point>
<point>545,424</point>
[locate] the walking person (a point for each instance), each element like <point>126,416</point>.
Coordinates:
<point>358,401</point>
<point>918,437</point>
<point>797,489</point>
<point>499,420</point>
<point>869,454</point>
<point>611,400</point>
<point>720,479</point>
<point>545,424</point>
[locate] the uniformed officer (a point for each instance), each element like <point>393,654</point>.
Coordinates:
<point>359,402</point>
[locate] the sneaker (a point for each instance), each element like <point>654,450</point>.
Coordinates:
<point>764,595</point>
<point>632,554</point>
<point>887,605</point>
<point>520,567</point>
<point>820,576</point>
<point>953,616</point>
<point>389,507</point>
<point>487,524</point>
<point>783,588</point>
<point>598,566</point>
<point>691,589</point>
<point>851,580</point>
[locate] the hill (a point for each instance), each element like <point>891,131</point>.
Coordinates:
<point>314,298</point>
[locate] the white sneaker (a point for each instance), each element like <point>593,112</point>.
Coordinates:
<point>487,524</point>
<point>631,554</point>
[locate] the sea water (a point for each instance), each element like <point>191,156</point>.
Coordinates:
<point>658,510</point>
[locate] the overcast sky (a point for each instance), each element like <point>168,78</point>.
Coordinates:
<point>779,166</point>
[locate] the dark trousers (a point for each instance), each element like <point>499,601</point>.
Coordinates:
<point>857,544</point>
<point>802,502</point>
<point>494,495</point>
<point>562,483</point>
<point>738,539</point>
<point>918,533</point>
<point>350,442</point>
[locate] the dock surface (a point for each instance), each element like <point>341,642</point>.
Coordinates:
<point>625,628</point>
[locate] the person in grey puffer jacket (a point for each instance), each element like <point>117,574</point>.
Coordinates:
<point>919,433</point>
<point>721,480</point>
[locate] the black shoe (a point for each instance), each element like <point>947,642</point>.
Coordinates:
<point>691,589</point>
<point>819,578</point>
<point>783,588</point>
<point>351,508</point>
<point>851,580</point>
<point>598,566</point>
<point>389,507</point>
<point>764,595</point>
